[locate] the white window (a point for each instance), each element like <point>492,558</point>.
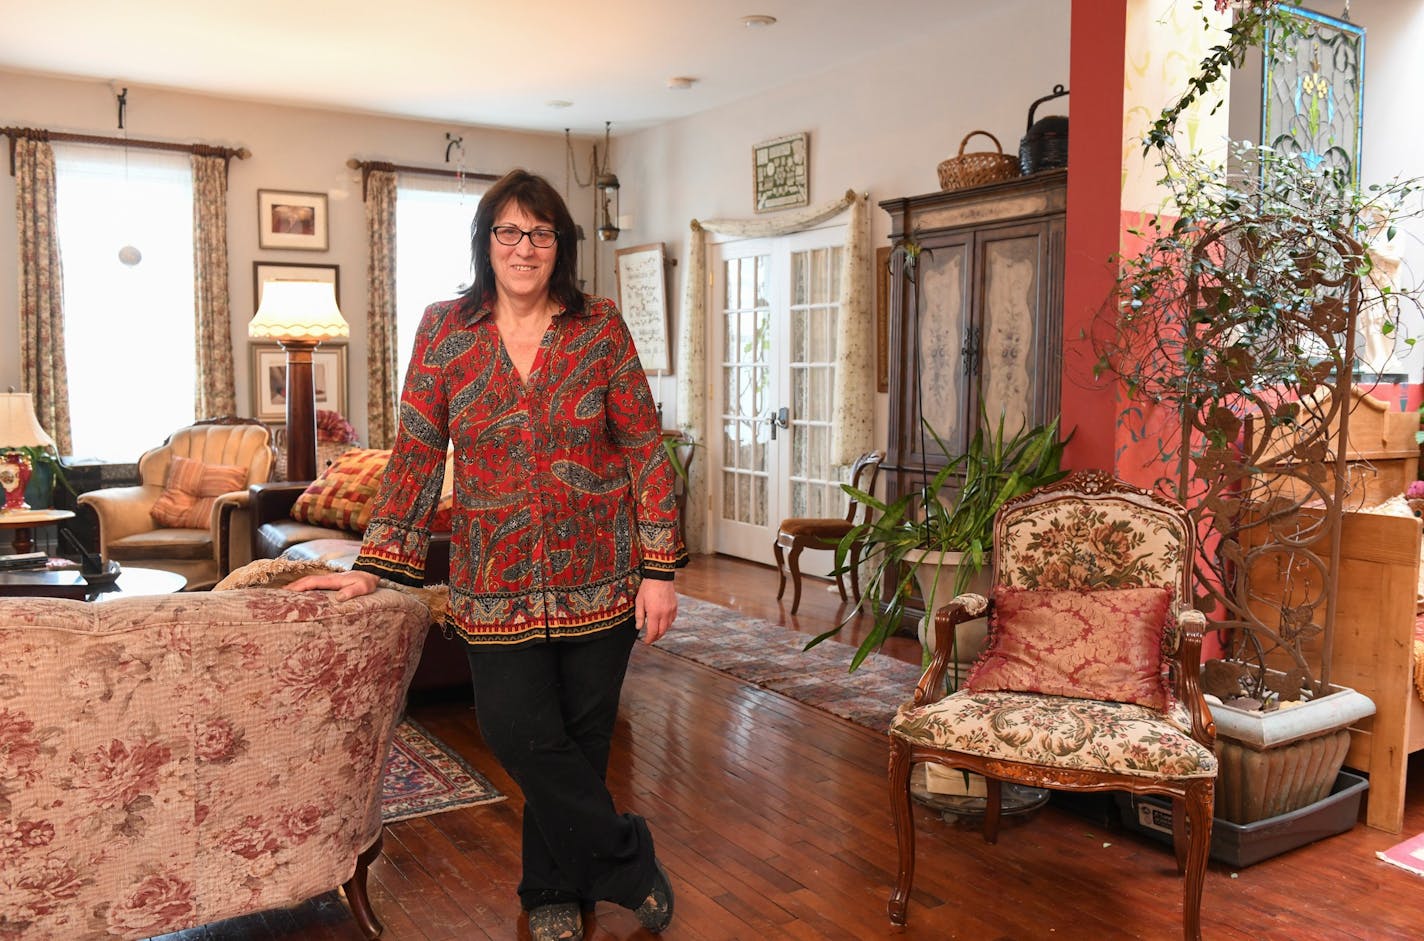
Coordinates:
<point>129,329</point>
<point>433,216</point>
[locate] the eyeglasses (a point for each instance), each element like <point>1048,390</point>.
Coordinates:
<point>512,234</point>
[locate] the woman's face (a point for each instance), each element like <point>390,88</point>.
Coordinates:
<point>521,271</point>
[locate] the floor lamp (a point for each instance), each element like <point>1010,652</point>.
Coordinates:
<point>299,315</point>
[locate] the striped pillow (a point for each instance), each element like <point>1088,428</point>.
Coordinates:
<point>190,491</point>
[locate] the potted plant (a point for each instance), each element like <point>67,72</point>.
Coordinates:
<point>1232,331</point>
<point>942,533</point>
<point>46,470</point>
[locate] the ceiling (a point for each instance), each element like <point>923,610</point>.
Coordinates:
<point>465,62</point>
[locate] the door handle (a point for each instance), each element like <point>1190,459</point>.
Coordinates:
<point>780,417</point>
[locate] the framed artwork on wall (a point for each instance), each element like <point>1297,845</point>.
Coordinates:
<point>642,296</point>
<point>781,173</point>
<point>269,380</point>
<point>265,271</point>
<point>291,220</point>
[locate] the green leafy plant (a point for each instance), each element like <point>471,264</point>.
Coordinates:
<point>47,458</point>
<point>952,512</point>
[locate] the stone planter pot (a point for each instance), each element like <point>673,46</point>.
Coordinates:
<point>937,573</point>
<point>1273,763</point>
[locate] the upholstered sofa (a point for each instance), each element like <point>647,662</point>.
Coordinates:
<point>174,760</point>
<point>323,521</point>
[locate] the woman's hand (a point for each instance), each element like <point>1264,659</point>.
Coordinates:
<point>655,608</point>
<point>347,585</point>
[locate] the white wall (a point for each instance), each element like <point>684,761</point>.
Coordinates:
<point>292,149</point>
<point>879,125</point>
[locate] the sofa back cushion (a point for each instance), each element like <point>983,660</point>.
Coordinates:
<point>190,491</point>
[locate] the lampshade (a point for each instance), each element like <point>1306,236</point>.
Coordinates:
<point>18,427</point>
<point>298,310</point>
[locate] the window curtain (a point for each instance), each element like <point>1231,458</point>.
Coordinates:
<point>214,393</point>
<point>382,396</point>
<point>855,340</point>
<point>41,303</point>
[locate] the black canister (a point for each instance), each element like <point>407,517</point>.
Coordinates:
<point>1045,146</point>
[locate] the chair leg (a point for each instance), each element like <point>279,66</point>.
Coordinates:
<point>795,564</point>
<point>854,572</point>
<point>356,896</point>
<point>840,586</point>
<point>1199,801</point>
<point>780,569</point>
<point>900,812</point>
<point>1180,840</point>
<point>993,808</point>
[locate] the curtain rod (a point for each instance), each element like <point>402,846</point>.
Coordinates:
<point>366,166</point>
<point>15,133</point>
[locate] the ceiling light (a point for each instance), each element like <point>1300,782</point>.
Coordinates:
<point>681,82</point>
<point>757,20</point>
<point>558,103</point>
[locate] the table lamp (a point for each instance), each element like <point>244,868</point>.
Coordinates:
<point>18,429</point>
<point>299,315</point>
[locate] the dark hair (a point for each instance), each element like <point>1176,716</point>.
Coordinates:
<point>535,196</point>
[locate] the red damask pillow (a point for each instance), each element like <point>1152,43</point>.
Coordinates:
<point>190,490</point>
<point>1103,644</point>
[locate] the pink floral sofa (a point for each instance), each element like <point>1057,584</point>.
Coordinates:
<point>174,760</point>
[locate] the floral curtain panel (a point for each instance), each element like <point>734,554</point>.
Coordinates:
<point>41,300</point>
<point>854,389</point>
<point>382,396</point>
<point>214,393</point>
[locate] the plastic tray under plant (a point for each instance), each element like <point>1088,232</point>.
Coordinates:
<point>1246,844</point>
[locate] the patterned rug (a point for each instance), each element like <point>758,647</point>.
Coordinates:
<point>770,656</point>
<point>424,777</point>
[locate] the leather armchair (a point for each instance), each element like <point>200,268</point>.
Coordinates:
<point>129,534</point>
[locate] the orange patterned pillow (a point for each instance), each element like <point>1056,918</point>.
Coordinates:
<point>190,491</point>
<point>341,497</point>
<point>1103,644</point>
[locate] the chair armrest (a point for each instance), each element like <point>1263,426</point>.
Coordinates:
<point>965,607</point>
<point>121,511</point>
<point>1191,625</point>
<point>274,501</point>
<point>232,531</point>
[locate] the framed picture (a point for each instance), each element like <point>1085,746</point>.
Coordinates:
<point>642,296</point>
<point>781,173</point>
<point>269,380</point>
<point>291,220</point>
<point>265,271</point>
<point>882,319</point>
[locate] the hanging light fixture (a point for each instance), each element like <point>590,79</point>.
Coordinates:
<point>129,255</point>
<point>607,185</point>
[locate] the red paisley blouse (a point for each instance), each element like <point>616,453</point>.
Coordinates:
<point>563,497</point>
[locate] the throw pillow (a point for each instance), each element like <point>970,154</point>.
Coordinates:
<point>341,497</point>
<point>1104,644</point>
<point>190,491</point>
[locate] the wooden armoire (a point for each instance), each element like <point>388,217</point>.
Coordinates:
<point>983,323</point>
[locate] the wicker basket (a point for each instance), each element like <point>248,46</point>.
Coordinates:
<point>978,168</point>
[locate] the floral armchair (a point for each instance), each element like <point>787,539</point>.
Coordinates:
<point>1090,678</point>
<point>175,760</point>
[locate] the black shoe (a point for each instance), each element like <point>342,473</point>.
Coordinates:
<point>655,913</point>
<point>559,921</point>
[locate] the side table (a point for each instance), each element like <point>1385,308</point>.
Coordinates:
<point>23,522</point>
<point>69,583</point>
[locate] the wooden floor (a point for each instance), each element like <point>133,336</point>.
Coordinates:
<point>771,819</point>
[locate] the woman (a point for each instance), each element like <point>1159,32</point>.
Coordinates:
<point>564,539</point>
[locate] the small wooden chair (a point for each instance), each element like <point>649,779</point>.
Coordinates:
<point>799,534</point>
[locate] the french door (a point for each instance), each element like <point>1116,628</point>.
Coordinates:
<point>773,317</point>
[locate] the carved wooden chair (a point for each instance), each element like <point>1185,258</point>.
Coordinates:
<point>1090,679</point>
<point>801,533</point>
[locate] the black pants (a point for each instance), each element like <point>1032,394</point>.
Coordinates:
<point>547,712</point>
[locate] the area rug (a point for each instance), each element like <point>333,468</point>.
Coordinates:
<point>1407,855</point>
<point>771,656</point>
<point>424,777</point>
